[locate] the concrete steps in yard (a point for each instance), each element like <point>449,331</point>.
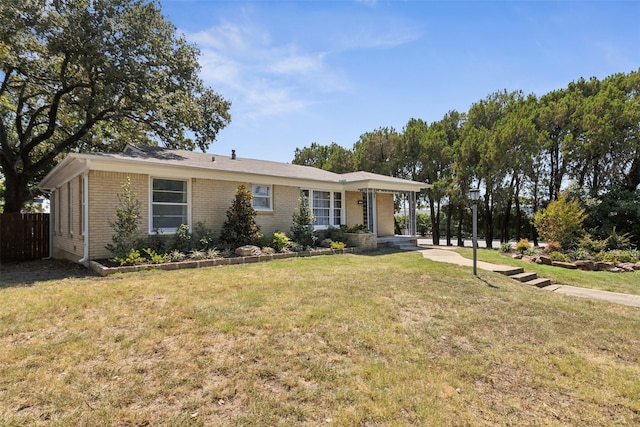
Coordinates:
<point>527,278</point>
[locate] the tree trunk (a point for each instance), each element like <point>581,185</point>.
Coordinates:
<point>633,178</point>
<point>17,192</point>
<point>460,221</point>
<point>449,220</point>
<point>435,221</point>
<point>488,222</point>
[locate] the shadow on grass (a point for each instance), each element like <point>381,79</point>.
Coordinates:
<point>29,273</point>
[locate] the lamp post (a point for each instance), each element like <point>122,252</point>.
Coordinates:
<point>474,195</point>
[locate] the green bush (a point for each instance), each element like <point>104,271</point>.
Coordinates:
<point>592,245</point>
<point>618,256</point>
<point>560,221</point>
<point>197,254</point>
<point>133,257</point>
<point>302,229</point>
<point>240,228</point>
<point>156,258</point>
<point>203,236</point>
<point>553,246</point>
<point>523,245</point>
<point>280,241</point>
<point>182,239</point>
<point>126,224</point>
<point>338,245</point>
<point>505,247</point>
<point>559,256</point>
<point>581,254</point>
<point>176,255</point>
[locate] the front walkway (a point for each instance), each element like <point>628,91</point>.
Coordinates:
<point>446,254</point>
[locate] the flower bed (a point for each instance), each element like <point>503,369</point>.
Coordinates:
<point>104,270</point>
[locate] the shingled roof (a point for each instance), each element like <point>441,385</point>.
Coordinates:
<point>164,157</point>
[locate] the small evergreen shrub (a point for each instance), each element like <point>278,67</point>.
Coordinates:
<point>302,229</point>
<point>155,258</point>
<point>581,254</point>
<point>203,236</point>
<point>618,256</point>
<point>559,256</point>
<point>592,245</point>
<point>240,228</point>
<point>280,241</point>
<point>553,246</point>
<point>182,238</point>
<point>126,224</point>
<point>505,247</point>
<point>523,245</point>
<point>133,257</point>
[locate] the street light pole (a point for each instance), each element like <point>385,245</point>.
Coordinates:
<point>474,194</point>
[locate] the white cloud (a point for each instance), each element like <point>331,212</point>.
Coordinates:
<point>260,77</point>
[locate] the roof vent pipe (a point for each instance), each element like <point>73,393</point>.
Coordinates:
<point>233,154</point>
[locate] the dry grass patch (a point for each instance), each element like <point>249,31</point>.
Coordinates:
<point>364,340</point>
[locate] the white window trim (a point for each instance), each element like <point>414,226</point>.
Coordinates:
<point>168,230</point>
<point>70,201</point>
<point>332,207</point>
<point>261,209</point>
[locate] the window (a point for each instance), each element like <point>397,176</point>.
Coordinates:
<point>321,207</point>
<point>337,209</point>
<point>326,206</point>
<point>169,205</point>
<point>70,207</point>
<point>261,197</point>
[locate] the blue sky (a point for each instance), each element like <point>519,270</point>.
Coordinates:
<point>328,71</point>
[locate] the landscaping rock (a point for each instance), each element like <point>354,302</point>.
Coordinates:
<point>569,265</point>
<point>248,250</point>
<point>543,259</point>
<point>636,266</point>
<point>627,266</point>
<point>516,256</point>
<point>326,243</point>
<point>586,265</point>
<point>603,266</point>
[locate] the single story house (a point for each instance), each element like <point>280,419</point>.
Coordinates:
<point>183,187</point>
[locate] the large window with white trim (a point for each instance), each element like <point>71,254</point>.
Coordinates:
<point>169,205</point>
<point>262,197</point>
<point>326,206</point>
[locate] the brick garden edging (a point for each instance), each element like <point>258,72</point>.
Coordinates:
<point>180,265</point>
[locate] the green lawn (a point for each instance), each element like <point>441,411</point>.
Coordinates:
<point>628,283</point>
<point>386,339</point>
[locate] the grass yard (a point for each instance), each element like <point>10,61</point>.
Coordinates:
<point>628,283</point>
<point>387,339</point>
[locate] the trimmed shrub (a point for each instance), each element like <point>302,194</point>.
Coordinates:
<point>280,241</point>
<point>523,245</point>
<point>240,228</point>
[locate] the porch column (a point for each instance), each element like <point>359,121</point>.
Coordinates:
<point>413,206</point>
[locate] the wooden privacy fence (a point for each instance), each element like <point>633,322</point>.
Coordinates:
<point>24,236</point>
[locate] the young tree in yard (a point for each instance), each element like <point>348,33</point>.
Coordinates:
<point>560,221</point>
<point>126,224</point>
<point>302,228</point>
<point>89,75</point>
<point>240,228</point>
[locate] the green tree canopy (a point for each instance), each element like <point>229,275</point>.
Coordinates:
<point>83,75</point>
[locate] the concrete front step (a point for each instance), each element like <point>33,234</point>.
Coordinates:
<point>539,283</point>
<point>524,277</point>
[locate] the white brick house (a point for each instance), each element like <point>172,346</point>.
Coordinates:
<point>183,187</point>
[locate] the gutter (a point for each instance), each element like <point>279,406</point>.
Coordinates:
<point>85,212</point>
